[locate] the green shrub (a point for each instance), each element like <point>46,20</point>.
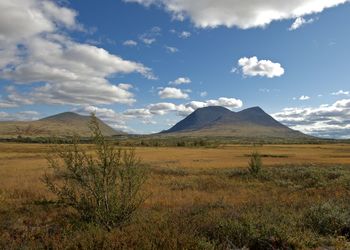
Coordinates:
<point>105,188</point>
<point>244,233</point>
<point>252,228</point>
<point>255,163</point>
<point>327,219</point>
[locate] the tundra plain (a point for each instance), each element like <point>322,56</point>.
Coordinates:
<point>198,198</point>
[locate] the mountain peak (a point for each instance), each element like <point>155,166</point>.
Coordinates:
<point>200,118</point>
<point>62,124</point>
<point>212,111</point>
<point>256,108</point>
<point>220,121</point>
<point>64,115</point>
<point>213,108</point>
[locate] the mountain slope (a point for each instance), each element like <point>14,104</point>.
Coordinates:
<point>219,121</point>
<point>200,118</point>
<point>62,125</point>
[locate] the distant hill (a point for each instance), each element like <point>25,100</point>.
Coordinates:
<point>61,125</point>
<point>220,121</point>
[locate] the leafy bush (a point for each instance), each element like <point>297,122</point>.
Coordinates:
<point>327,219</point>
<point>104,189</point>
<point>255,163</point>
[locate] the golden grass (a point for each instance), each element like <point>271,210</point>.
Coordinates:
<point>187,177</point>
<point>234,156</point>
<point>13,155</point>
<point>22,165</point>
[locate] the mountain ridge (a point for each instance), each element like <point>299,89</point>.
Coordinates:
<point>64,124</point>
<point>220,121</point>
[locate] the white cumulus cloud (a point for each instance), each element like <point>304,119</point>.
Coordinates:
<point>137,113</point>
<point>109,116</point>
<point>19,116</point>
<point>243,14</point>
<point>181,80</point>
<point>150,36</point>
<point>182,110</point>
<point>172,93</point>
<point>341,92</point>
<point>130,43</point>
<point>299,22</point>
<point>304,98</point>
<point>254,67</point>
<point>225,102</point>
<point>185,34</point>
<point>36,50</point>
<point>325,121</point>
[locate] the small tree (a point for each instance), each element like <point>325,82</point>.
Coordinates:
<point>255,163</point>
<point>104,188</point>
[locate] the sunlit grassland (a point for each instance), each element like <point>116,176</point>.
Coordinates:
<point>199,198</point>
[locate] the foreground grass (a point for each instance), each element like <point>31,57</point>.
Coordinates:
<point>284,207</point>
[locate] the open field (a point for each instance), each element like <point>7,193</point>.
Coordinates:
<point>25,163</point>
<point>199,198</point>
<point>227,156</point>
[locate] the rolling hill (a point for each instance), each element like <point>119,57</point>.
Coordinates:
<point>61,125</point>
<point>220,121</point>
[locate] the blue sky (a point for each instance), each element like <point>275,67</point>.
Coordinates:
<point>143,65</point>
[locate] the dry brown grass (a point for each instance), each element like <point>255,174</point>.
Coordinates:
<point>22,165</point>
<point>189,177</point>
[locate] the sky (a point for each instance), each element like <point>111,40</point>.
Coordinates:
<point>143,65</point>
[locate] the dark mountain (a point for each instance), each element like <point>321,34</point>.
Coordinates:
<point>201,118</point>
<point>220,121</point>
<point>257,116</point>
<point>62,125</point>
<point>65,117</point>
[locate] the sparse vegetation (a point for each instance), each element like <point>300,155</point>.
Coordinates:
<point>255,163</point>
<point>197,202</point>
<point>104,189</point>
<point>328,218</point>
